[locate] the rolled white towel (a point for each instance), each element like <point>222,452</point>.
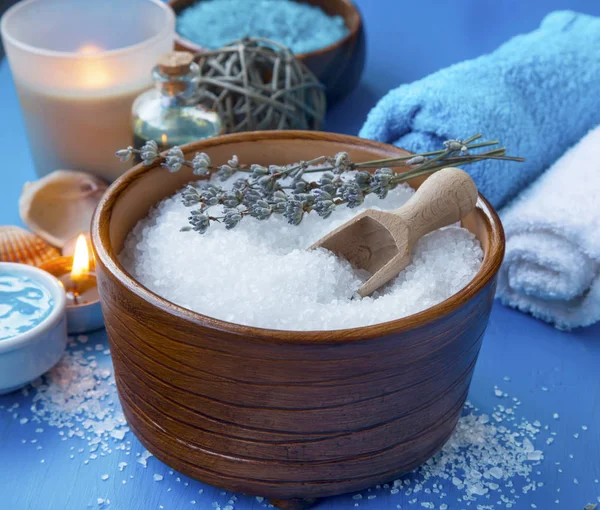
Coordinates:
<point>552,263</point>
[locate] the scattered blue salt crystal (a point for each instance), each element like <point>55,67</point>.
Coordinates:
<point>104,477</point>
<point>297,25</point>
<point>157,477</point>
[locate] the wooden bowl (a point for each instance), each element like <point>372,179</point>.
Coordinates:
<point>338,66</point>
<point>285,414</point>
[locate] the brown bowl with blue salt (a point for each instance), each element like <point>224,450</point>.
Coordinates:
<point>338,65</point>
<point>291,415</point>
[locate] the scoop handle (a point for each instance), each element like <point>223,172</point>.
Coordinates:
<point>444,198</point>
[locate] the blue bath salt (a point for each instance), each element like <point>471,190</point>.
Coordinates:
<point>299,26</point>
<point>24,303</point>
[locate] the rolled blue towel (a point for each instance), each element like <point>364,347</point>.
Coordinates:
<point>552,263</point>
<point>537,94</point>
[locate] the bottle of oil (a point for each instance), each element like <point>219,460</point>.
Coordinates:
<point>170,113</point>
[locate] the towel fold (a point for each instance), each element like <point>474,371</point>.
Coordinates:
<point>552,263</point>
<point>537,94</point>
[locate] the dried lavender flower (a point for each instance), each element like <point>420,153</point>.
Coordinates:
<point>225,172</point>
<point>125,154</point>
<point>284,189</point>
<point>257,171</point>
<point>232,218</point>
<point>199,221</point>
<point>149,152</point>
<point>294,212</point>
<point>301,187</point>
<point>267,183</point>
<point>352,194</point>
<point>261,210</point>
<point>201,164</point>
<point>453,145</point>
<point>234,162</point>
<point>190,196</point>
<point>363,179</point>
<point>232,198</point>
<point>381,182</point>
<point>343,163</point>
<point>174,160</point>
<point>416,160</point>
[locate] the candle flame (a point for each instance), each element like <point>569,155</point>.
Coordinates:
<point>163,139</point>
<point>94,73</point>
<point>81,259</point>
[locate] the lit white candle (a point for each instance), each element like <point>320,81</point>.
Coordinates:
<point>78,66</point>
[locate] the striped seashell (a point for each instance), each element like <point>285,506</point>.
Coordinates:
<point>18,245</point>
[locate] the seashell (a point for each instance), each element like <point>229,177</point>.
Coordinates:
<point>18,245</point>
<point>60,205</point>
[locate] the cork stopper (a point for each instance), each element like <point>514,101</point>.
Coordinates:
<point>175,63</point>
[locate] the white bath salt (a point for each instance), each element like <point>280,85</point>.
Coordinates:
<point>104,477</point>
<point>481,459</point>
<point>121,465</point>
<point>157,477</point>
<point>143,460</point>
<point>78,397</point>
<point>266,263</point>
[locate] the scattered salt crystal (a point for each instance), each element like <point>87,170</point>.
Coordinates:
<point>498,392</point>
<point>555,416</point>
<point>23,421</point>
<point>277,265</point>
<point>157,477</point>
<point>104,477</point>
<point>584,427</point>
<point>357,496</point>
<point>496,472</point>
<point>143,460</point>
<point>544,388</point>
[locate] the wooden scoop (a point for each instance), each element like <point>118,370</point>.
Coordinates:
<point>381,242</point>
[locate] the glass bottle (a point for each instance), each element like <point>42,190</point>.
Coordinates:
<point>170,114</point>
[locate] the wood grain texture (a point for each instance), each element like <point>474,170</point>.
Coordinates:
<point>381,242</point>
<point>285,414</point>
<point>338,66</point>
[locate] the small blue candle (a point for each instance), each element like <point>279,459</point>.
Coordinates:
<point>24,303</point>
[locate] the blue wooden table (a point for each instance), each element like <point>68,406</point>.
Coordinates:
<point>554,375</point>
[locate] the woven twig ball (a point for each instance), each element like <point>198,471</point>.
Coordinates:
<point>258,84</point>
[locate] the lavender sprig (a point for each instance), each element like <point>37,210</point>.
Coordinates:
<point>284,190</point>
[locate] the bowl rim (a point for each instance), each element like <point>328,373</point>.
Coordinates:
<point>113,269</point>
<point>352,33</point>
<point>50,321</point>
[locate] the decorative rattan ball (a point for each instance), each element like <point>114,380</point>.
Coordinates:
<point>258,84</point>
